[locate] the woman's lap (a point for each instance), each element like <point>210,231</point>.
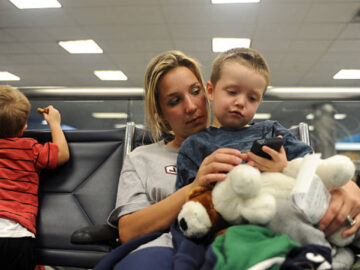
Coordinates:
<point>157,258</point>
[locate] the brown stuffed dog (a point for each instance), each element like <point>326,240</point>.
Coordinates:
<point>203,216</point>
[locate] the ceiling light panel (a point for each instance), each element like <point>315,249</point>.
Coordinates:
<point>81,46</point>
<point>110,115</point>
<point>234,1</point>
<point>347,74</point>
<point>262,116</point>
<point>110,75</point>
<point>224,44</point>
<point>28,4</point>
<point>7,76</point>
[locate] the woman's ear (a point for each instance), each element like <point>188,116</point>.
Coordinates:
<point>210,90</point>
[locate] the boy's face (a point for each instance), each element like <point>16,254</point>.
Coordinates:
<point>236,96</point>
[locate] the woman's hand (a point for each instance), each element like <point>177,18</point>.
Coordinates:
<point>276,164</point>
<point>345,201</point>
<point>215,166</point>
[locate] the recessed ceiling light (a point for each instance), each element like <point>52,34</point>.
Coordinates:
<point>262,116</point>
<point>233,1</point>
<point>110,115</point>
<point>81,46</point>
<point>310,116</point>
<point>340,116</point>
<point>7,76</point>
<point>27,4</point>
<point>224,44</point>
<point>347,74</point>
<point>110,75</point>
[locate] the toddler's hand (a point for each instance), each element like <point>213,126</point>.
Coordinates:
<point>276,164</point>
<point>51,115</point>
<point>215,166</point>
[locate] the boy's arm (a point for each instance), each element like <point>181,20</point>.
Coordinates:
<point>53,118</point>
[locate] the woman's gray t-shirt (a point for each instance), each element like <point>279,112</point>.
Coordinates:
<point>147,177</point>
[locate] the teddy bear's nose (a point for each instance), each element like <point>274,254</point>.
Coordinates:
<point>183,225</point>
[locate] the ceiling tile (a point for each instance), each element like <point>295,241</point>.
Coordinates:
<point>293,12</point>
<point>331,12</point>
<point>351,31</point>
<point>320,30</point>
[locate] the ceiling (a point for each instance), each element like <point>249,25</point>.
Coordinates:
<point>305,41</point>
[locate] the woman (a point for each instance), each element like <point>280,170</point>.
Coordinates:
<point>176,105</point>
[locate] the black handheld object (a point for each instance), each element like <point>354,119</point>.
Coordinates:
<point>274,143</point>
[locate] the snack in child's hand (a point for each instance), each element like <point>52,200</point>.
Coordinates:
<point>41,110</point>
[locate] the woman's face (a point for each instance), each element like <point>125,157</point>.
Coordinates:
<point>183,103</point>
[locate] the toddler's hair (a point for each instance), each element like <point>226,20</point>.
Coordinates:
<point>14,111</point>
<point>244,56</point>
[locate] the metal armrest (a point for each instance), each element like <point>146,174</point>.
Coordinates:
<point>97,234</point>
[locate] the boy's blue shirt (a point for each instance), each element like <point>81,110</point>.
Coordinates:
<point>198,146</point>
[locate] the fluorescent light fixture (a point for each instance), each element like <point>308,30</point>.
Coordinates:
<point>340,116</point>
<point>27,4</point>
<point>110,115</point>
<point>345,146</point>
<point>337,116</point>
<point>7,76</point>
<point>224,44</point>
<point>347,74</point>
<point>110,75</point>
<point>81,46</point>
<point>233,1</point>
<point>262,116</point>
<point>119,125</point>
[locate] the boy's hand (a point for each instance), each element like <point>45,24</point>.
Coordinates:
<point>51,115</point>
<point>215,166</point>
<point>276,164</point>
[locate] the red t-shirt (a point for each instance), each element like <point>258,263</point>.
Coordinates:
<point>21,160</point>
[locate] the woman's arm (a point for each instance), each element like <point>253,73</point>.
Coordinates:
<point>344,201</point>
<point>156,217</point>
<point>160,215</point>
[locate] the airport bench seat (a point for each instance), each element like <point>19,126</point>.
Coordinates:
<point>80,193</point>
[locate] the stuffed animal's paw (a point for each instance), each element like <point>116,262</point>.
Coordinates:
<point>340,241</point>
<point>336,171</point>
<point>245,180</point>
<point>260,209</point>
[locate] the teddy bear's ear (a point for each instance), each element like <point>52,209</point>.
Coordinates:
<point>196,192</point>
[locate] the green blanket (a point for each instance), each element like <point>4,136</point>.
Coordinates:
<point>246,246</point>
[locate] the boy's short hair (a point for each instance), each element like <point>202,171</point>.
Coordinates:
<point>14,111</point>
<point>244,56</point>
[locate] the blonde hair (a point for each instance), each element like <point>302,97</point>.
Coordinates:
<point>14,111</point>
<point>156,69</point>
<point>243,56</point>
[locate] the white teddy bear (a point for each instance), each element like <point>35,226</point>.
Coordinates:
<point>247,194</point>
